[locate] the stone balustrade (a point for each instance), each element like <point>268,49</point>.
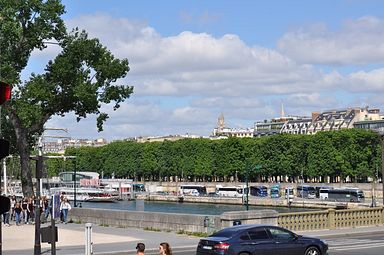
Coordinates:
<point>298,221</point>
<point>331,219</point>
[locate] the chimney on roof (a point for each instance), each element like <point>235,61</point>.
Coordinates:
<point>315,115</point>
<point>282,110</point>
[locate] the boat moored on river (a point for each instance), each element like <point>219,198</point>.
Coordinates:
<point>86,194</point>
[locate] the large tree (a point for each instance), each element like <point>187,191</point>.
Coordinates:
<point>79,79</point>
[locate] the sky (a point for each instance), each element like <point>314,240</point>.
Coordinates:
<point>190,61</point>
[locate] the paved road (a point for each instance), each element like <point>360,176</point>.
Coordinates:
<point>19,240</point>
<point>357,245</point>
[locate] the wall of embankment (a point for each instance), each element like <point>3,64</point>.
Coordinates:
<point>316,220</point>
<point>171,221</point>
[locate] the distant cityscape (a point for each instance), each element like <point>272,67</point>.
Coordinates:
<point>363,118</point>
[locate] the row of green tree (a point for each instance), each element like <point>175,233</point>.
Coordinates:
<point>354,153</point>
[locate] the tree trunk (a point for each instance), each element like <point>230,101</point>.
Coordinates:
<point>26,174</point>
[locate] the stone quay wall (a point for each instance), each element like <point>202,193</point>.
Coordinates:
<point>171,221</point>
<point>370,189</point>
<point>175,222</point>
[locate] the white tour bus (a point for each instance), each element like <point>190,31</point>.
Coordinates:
<point>193,190</point>
<point>232,191</point>
<point>323,193</point>
<point>346,195</point>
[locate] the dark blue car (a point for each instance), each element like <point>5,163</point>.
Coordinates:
<point>260,239</point>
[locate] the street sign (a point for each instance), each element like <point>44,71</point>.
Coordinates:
<point>56,206</point>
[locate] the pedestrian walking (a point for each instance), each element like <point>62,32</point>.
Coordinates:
<point>165,249</point>
<point>18,211</point>
<point>13,203</point>
<point>6,218</point>
<point>24,206</point>
<point>65,207</point>
<point>62,196</point>
<point>30,211</point>
<point>140,248</point>
<point>46,208</point>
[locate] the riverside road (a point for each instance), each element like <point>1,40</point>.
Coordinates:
<point>19,240</point>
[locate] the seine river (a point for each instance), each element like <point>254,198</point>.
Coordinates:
<point>185,208</point>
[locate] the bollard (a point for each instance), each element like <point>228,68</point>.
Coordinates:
<point>88,239</point>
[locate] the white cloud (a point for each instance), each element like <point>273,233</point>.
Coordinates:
<point>190,63</point>
<point>183,82</point>
<point>358,42</point>
<point>367,81</point>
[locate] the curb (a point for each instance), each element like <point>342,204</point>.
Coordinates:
<point>346,233</point>
<point>149,251</point>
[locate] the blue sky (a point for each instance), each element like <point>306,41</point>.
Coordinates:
<point>192,60</point>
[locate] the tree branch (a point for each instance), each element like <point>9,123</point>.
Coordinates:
<point>40,125</point>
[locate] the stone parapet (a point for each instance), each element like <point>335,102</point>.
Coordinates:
<point>268,217</point>
<point>172,221</point>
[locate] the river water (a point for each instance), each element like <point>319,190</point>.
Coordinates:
<point>184,208</point>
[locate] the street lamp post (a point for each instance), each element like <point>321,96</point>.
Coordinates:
<point>246,183</point>
<point>39,168</point>
<point>382,163</point>
<point>380,132</point>
<point>74,185</point>
<point>248,168</point>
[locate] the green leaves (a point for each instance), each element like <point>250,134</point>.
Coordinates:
<point>354,153</point>
<point>25,26</point>
<point>80,79</point>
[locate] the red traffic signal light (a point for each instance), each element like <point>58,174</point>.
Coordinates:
<point>5,92</point>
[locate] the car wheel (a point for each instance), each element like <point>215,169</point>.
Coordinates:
<point>312,251</point>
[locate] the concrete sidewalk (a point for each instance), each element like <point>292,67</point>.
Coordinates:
<point>19,240</point>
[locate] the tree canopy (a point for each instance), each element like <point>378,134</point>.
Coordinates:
<point>80,79</point>
<point>337,154</point>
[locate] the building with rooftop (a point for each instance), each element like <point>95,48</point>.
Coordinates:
<point>222,131</point>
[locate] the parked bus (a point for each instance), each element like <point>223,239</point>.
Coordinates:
<point>318,188</point>
<point>306,191</point>
<point>323,193</point>
<point>275,191</point>
<point>346,195</point>
<point>259,191</point>
<point>233,191</point>
<point>193,190</point>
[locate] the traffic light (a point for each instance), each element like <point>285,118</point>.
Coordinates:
<point>5,92</point>
<point>5,95</point>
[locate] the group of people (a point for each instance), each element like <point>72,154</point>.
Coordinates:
<point>164,249</point>
<point>23,210</point>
